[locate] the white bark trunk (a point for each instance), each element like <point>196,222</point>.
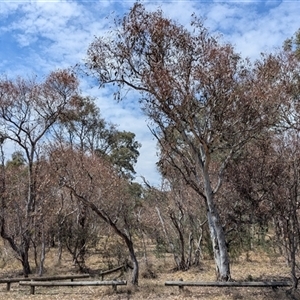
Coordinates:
<point>217,234</point>
<point>219,247</point>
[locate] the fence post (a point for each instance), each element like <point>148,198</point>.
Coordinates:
<point>180,286</point>
<point>32,288</point>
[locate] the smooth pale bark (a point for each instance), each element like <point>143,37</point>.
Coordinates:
<point>216,233</point>
<point>221,256</point>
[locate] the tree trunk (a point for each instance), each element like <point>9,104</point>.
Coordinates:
<point>43,254</point>
<point>219,246</point>
<point>135,271</point>
<point>25,263</point>
<point>189,261</point>
<point>82,238</point>
<point>22,252</point>
<point>123,235</point>
<point>182,265</point>
<point>293,270</point>
<point>198,252</point>
<point>59,252</point>
<point>217,234</point>
<point>167,237</point>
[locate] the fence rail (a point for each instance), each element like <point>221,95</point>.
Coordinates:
<point>9,281</point>
<point>272,284</point>
<point>33,284</point>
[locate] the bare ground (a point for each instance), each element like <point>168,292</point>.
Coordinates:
<point>256,266</point>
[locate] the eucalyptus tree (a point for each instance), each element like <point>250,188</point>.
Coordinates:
<point>96,184</point>
<point>286,203</point>
<point>267,180</point>
<point>83,127</point>
<point>205,101</point>
<point>28,111</point>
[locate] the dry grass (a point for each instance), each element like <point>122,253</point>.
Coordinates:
<point>254,266</point>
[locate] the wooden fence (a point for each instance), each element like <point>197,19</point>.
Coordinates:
<point>9,281</point>
<point>33,284</point>
<point>272,284</point>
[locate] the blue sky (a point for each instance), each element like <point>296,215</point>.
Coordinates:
<point>37,37</point>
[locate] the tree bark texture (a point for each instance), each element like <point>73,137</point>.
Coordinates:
<point>217,234</point>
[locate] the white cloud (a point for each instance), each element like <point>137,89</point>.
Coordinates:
<point>55,33</point>
<point>179,11</point>
<point>251,26</point>
<point>7,7</point>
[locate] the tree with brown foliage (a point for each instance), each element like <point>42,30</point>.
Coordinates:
<point>206,102</point>
<point>96,185</point>
<point>265,176</point>
<point>286,205</point>
<point>28,111</point>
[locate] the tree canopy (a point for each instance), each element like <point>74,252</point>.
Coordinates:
<point>205,100</point>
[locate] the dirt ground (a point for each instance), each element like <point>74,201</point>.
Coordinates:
<point>254,266</point>
<point>144,292</point>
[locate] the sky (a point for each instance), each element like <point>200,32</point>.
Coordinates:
<point>37,37</point>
